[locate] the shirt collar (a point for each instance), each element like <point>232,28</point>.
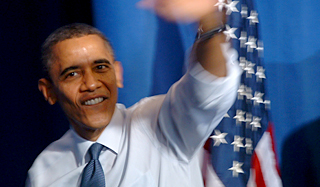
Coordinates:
<point>110,137</point>
<point>112,134</point>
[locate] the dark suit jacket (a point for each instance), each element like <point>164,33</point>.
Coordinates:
<point>301,157</point>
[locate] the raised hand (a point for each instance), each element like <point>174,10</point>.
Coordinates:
<point>181,10</point>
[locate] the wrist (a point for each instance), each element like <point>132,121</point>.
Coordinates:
<point>203,36</point>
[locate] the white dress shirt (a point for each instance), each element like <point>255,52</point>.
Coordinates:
<point>153,143</point>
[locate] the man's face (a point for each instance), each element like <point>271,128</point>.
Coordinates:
<point>85,78</point>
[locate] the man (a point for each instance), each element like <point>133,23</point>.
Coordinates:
<point>156,141</point>
<point>301,156</point>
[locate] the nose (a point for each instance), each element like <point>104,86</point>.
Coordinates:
<point>90,82</point>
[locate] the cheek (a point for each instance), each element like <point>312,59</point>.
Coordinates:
<point>110,83</point>
<point>68,95</point>
<point>109,80</point>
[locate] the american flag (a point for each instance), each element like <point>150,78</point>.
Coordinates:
<point>241,151</point>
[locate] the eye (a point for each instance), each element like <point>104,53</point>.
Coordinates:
<point>101,66</point>
<point>72,74</point>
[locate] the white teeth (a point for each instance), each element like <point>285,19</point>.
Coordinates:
<point>94,101</point>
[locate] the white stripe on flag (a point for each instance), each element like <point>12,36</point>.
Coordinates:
<point>268,162</point>
<point>252,179</point>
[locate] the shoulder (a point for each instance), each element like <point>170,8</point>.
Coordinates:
<point>51,155</point>
<point>144,115</point>
<point>303,141</point>
<point>307,131</point>
<point>147,107</point>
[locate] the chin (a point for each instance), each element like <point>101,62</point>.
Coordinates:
<point>98,124</point>
<point>90,124</point>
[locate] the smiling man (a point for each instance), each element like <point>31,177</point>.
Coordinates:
<point>83,79</point>
<point>156,142</point>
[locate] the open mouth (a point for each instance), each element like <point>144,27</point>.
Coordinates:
<point>94,101</point>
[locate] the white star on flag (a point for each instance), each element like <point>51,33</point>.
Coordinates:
<point>243,39</point>
<point>236,168</point>
<point>255,123</point>
<point>229,32</point>
<point>253,17</point>
<point>244,11</point>
<point>260,73</point>
<point>231,7</point>
<point>241,91</point>
<point>257,99</point>
<point>260,46</point>
<point>237,143</point>
<point>226,115</point>
<point>248,146</point>
<point>249,68</point>
<point>242,62</point>
<point>239,116</point>
<point>251,43</point>
<point>248,93</point>
<point>248,119</point>
<point>267,104</point>
<point>219,138</point>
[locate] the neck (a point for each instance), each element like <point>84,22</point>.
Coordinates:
<point>88,133</point>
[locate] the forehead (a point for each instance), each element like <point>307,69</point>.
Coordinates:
<point>87,47</point>
<point>78,52</point>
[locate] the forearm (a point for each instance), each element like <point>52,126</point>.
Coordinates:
<point>209,52</point>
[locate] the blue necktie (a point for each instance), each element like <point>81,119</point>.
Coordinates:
<point>93,173</point>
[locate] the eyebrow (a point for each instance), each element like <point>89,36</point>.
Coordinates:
<point>68,69</point>
<point>102,61</point>
<point>99,61</point>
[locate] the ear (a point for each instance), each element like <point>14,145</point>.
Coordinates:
<point>119,73</point>
<point>46,87</point>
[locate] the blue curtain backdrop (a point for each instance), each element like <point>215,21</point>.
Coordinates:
<point>151,51</point>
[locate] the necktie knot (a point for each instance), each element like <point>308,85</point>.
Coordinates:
<point>95,150</point>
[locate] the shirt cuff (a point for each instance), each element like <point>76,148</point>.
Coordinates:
<point>231,56</point>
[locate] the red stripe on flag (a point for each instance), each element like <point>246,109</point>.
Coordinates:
<point>271,131</point>
<point>257,169</point>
